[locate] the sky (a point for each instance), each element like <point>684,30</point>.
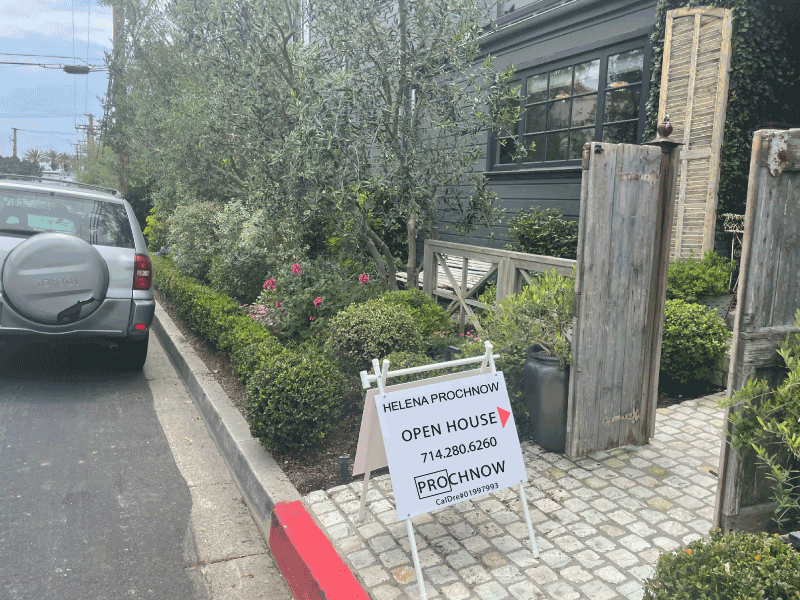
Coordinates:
<point>45,103</point>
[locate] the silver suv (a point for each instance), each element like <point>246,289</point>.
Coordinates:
<point>73,264</point>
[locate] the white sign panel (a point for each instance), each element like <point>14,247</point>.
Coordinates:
<point>449,441</point>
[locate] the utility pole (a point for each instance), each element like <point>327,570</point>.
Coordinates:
<point>89,129</point>
<point>14,154</point>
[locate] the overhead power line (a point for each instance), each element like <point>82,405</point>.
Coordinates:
<point>49,56</point>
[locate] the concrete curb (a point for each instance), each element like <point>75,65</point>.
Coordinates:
<point>307,559</point>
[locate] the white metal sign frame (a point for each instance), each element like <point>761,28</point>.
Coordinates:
<point>373,437</point>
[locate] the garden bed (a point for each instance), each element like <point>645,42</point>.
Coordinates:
<point>319,469</point>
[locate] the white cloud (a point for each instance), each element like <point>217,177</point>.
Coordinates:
<point>54,20</point>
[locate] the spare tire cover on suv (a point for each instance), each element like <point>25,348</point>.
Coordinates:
<point>55,278</point>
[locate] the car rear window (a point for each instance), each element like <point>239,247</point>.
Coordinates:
<point>94,221</point>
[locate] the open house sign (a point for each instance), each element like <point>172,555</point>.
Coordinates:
<point>449,441</point>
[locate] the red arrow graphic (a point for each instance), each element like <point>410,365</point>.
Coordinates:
<point>504,414</point>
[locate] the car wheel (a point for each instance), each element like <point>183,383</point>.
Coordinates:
<point>132,354</point>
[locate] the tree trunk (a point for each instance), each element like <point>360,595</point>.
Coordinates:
<point>412,273</point>
<point>388,259</point>
<point>373,250</point>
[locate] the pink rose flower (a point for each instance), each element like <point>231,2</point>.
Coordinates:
<point>296,269</point>
<point>317,302</point>
<point>269,284</point>
<point>310,318</point>
<point>363,278</point>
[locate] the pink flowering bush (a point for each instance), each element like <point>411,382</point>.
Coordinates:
<point>297,298</point>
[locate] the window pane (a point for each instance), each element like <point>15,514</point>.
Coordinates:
<point>561,83</point>
<point>622,104</point>
<point>558,114</point>
<point>625,68</point>
<point>509,104</point>
<point>535,118</point>
<point>538,152</point>
<point>506,147</point>
<point>537,88</point>
<point>622,133</point>
<point>557,144</point>
<point>578,138</point>
<point>587,76</point>
<point>584,110</point>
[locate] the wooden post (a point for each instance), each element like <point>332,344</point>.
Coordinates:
<point>429,269</point>
<point>623,251</point>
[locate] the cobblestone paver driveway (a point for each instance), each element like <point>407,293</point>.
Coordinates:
<point>600,521</point>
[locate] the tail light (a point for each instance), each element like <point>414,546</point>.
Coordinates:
<point>143,272</point>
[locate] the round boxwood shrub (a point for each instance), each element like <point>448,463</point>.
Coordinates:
<point>293,400</point>
<point>430,317</point>
<point>690,280</point>
<point>735,566</point>
<point>695,338</point>
<point>374,329</point>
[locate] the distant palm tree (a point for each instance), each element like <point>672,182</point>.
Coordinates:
<point>65,159</point>
<point>33,155</point>
<point>52,156</point>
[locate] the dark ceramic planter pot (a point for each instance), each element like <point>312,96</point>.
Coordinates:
<point>546,385</point>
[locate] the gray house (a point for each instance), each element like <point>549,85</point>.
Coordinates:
<point>583,68</point>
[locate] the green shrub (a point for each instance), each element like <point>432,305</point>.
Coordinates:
<point>768,421</point>
<point>250,244</point>
<point>294,399</point>
<point>695,338</point>
<point>539,314</point>
<point>430,317</point>
<point>734,566</point>
<point>239,272</point>
<point>544,232</point>
<point>192,240</point>
<point>370,330</point>
<point>217,318</point>
<point>690,280</point>
<point>155,231</point>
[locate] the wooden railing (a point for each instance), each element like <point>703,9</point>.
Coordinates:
<point>456,272</point>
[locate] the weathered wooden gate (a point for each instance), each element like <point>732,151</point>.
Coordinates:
<point>623,251</point>
<point>768,296</point>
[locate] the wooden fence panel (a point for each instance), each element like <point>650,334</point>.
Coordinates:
<point>457,272</point>
<point>625,225</point>
<point>768,296</point>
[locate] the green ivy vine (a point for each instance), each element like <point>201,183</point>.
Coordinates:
<point>763,88</point>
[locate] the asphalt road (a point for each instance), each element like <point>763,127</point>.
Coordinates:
<point>111,488</point>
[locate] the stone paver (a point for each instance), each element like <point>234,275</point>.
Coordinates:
<point>600,522</point>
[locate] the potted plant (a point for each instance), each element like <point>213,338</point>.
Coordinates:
<point>531,331</point>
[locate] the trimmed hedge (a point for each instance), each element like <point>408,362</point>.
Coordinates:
<point>294,399</point>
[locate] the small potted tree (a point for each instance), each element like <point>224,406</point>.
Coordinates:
<point>531,331</point>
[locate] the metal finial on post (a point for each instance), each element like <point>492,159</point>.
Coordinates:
<point>664,130</point>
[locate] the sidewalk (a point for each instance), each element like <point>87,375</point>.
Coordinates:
<point>600,521</point>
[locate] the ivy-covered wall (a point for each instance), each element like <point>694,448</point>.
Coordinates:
<point>764,91</point>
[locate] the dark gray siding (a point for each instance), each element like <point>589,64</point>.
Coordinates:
<point>527,41</point>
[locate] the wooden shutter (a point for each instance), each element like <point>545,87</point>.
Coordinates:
<point>694,93</point>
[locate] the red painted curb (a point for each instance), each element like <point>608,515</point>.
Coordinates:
<point>307,559</point>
